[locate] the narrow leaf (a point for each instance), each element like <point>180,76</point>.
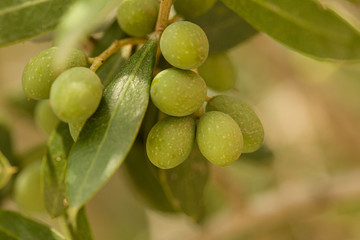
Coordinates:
<point>143,180</point>
<point>20,20</point>
<point>23,228</point>
<point>109,134</point>
<point>6,236</point>
<point>346,9</point>
<point>224,28</point>
<point>54,170</point>
<point>307,27</point>
<point>6,143</point>
<point>6,170</point>
<point>184,185</point>
<point>83,229</point>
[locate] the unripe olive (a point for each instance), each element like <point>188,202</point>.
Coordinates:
<point>249,123</point>
<point>218,72</point>
<point>178,92</point>
<point>138,17</point>
<point>44,116</point>
<point>76,94</point>
<point>184,45</point>
<point>170,141</point>
<point>27,189</point>
<point>193,8</point>
<point>41,72</point>
<point>219,138</point>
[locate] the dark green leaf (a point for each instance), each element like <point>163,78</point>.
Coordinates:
<point>20,20</point>
<point>306,27</point>
<point>24,228</point>
<point>6,143</point>
<point>224,28</point>
<point>6,236</point>
<point>263,156</point>
<point>54,170</point>
<point>6,170</point>
<point>109,134</point>
<point>143,180</point>
<point>184,185</point>
<point>114,32</point>
<point>83,229</point>
<point>108,71</point>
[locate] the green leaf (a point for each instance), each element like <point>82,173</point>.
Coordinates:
<point>54,170</point>
<point>184,185</point>
<point>20,20</point>
<point>345,9</point>
<point>6,236</point>
<point>140,173</point>
<point>6,143</point>
<point>224,28</point>
<point>306,27</point>
<point>82,19</point>
<point>6,170</point>
<point>109,134</point>
<point>114,32</point>
<point>108,71</point>
<point>23,228</point>
<point>83,229</point>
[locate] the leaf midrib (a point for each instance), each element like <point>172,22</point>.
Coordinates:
<point>132,76</point>
<point>10,9</point>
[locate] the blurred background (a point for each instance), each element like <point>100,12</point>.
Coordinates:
<point>304,184</point>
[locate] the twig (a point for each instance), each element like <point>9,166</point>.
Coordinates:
<point>287,201</point>
<point>113,48</point>
<point>162,22</point>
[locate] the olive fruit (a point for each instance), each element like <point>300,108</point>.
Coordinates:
<point>178,92</point>
<point>249,123</point>
<point>170,141</point>
<point>218,72</point>
<point>44,116</point>
<point>76,94</point>
<point>138,17</point>
<point>184,45</point>
<point>41,72</point>
<point>193,8</point>
<point>27,189</point>
<point>219,138</point>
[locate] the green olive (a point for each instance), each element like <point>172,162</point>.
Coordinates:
<point>219,138</point>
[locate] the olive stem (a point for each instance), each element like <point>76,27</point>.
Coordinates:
<point>208,99</point>
<point>69,226</point>
<point>162,22</point>
<point>113,48</point>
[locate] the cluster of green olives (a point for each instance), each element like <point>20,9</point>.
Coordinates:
<point>73,90</point>
<point>227,129</point>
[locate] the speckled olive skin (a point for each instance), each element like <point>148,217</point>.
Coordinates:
<point>193,8</point>
<point>218,72</point>
<point>138,17</point>
<point>171,141</point>
<point>40,72</point>
<point>178,92</point>
<point>184,45</point>
<point>44,116</point>
<point>76,94</point>
<point>249,123</point>
<point>27,189</point>
<point>219,138</point>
